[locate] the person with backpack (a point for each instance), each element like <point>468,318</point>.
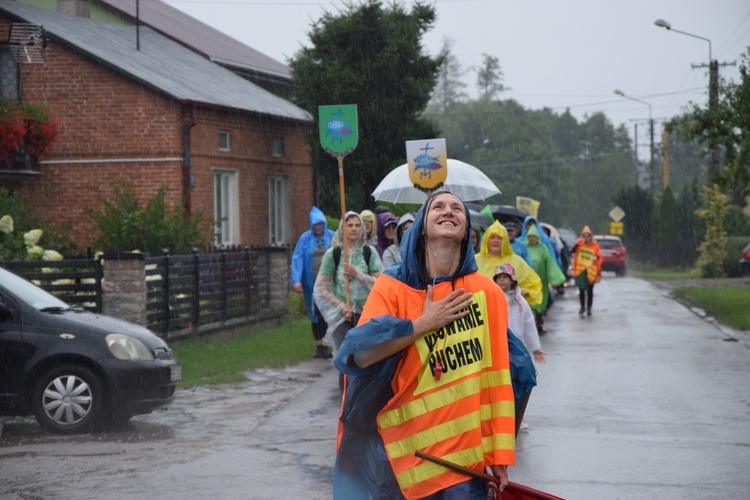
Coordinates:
<point>361,266</point>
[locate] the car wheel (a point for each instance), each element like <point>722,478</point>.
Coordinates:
<point>68,399</point>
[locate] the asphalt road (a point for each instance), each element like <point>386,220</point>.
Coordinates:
<point>644,400</point>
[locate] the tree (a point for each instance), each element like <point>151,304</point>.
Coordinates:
<point>728,126</point>
<point>685,163</point>
<point>449,89</point>
<point>639,205</point>
<point>372,57</point>
<point>689,225</point>
<point>713,250</point>
<point>490,78</point>
<point>666,222</point>
<point>572,169</point>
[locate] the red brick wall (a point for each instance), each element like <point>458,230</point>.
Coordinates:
<point>104,117</point>
<point>250,154</point>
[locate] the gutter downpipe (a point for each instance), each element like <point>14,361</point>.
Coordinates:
<point>186,166</point>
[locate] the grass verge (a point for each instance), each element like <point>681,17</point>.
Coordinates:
<point>654,273</point>
<point>207,360</point>
<point>729,305</point>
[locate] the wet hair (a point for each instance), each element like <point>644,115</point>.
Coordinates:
<point>421,248</point>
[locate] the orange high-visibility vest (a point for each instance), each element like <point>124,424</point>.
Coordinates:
<point>587,257</point>
<point>468,415</point>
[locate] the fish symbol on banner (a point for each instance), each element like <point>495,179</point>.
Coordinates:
<point>427,164</point>
<point>337,129</point>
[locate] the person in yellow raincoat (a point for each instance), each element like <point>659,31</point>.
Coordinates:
<point>495,249</point>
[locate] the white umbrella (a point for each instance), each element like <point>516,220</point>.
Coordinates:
<point>464,180</point>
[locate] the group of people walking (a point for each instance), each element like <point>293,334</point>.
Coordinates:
<point>419,314</point>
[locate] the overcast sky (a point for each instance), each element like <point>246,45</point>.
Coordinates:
<point>554,53</point>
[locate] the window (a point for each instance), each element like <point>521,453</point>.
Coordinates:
<point>279,210</point>
<point>277,147</point>
<point>8,81</point>
<point>224,137</point>
<point>226,208</point>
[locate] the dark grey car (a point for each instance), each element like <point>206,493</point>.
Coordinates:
<point>74,370</point>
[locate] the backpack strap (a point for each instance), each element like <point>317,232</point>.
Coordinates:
<point>336,259</point>
<point>366,253</point>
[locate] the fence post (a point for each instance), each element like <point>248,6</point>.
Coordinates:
<point>165,291</point>
<point>99,276</point>
<point>195,306</point>
<point>248,281</point>
<point>223,269</point>
<point>125,287</point>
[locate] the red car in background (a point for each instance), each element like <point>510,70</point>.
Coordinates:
<point>613,254</point>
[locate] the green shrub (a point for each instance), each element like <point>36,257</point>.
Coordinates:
<point>713,251</point>
<point>333,222</point>
<point>124,226</point>
<point>296,305</point>
<point>736,222</point>
<point>16,205</point>
<point>735,245</point>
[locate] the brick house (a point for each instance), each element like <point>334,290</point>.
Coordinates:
<point>133,104</point>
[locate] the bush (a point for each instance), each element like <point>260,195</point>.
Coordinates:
<point>17,207</point>
<point>296,305</point>
<point>123,226</point>
<point>713,254</point>
<point>735,245</point>
<point>736,222</point>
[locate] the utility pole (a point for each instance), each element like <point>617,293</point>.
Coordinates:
<point>713,93</point>
<point>665,146</point>
<point>651,165</point>
<point>651,172</point>
<point>713,108</point>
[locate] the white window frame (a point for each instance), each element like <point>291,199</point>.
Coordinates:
<point>279,210</point>
<point>225,137</point>
<point>277,147</point>
<point>226,202</point>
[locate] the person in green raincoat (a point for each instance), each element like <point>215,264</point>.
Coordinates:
<point>547,269</point>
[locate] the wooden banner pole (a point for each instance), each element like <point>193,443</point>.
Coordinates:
<point>342,199</point>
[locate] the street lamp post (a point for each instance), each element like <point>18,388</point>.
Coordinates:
<point>651,165</point>
<point>713,92</point>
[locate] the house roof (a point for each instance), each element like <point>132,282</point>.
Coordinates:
<point>161,64</point>
<point>218,46</point>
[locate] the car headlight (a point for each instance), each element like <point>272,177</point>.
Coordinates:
<point>127,348</point>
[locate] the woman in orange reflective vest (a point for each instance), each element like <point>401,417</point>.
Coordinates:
<point>427,370</point>
<point>586,268</point>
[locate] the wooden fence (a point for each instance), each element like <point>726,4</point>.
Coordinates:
<point>185,291</point>
<point>75,281</point>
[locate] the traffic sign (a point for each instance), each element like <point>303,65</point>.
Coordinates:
<point>615,228</point>
<point>617,214</point>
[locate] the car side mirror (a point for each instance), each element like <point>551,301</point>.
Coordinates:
<point>5,312</point>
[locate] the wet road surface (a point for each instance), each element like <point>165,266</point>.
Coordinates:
<point>643,400</point>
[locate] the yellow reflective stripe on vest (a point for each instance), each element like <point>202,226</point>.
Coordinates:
<point>447,430</point>
<point>429,470</point>
<point>444,397</point>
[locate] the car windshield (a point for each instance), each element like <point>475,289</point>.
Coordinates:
<point>30,293</point>
<point>609,244</point>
